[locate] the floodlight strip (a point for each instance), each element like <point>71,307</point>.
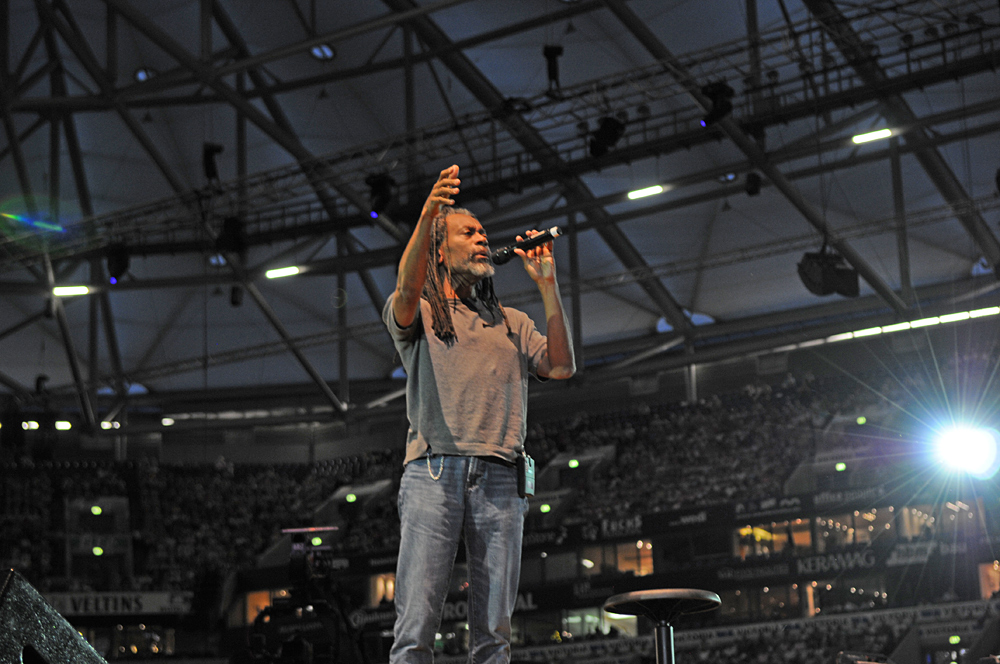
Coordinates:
<point>872,136</point>
<point>643,193</point>
<point>69,291</point>
<point>895,327</point>
<point>277,273</point>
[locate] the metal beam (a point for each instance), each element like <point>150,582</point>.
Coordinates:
<point>279,133</point>
<point>341,304</point>
<point>235,264</point>
<point>388,256</point>
<point>20,165</point>
<point>58,88</point>
<point>802,149</point>
<point>199,362</point>
<point>720,341</point>
<point>30,320</point>
<point>23,136</point>
<point>753,152</point>
<point>83,397</point>
<point>170,80</point>
<point>385,20</point>
<point>14,386</point>
<point>234,37</point>
<point>897,111</point>
<point>529,138</point>
<point>289,340</point>
<point>173,315</point>
<point>111,42</point>
<point>74,39</point>
<point>86,206</point>
<point>899,205</point>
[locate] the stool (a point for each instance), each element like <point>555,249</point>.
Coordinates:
<point>662,607</point>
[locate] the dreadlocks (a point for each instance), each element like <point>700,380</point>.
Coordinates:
<point>434,293</point>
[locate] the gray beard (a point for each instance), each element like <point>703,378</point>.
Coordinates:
<point>470,273</point>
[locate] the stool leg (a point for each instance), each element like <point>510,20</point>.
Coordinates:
<point>664,640</point>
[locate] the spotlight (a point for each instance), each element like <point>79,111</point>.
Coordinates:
<point>721,96</point>
<point>825,272</point>
<point>323,52</point>
<point>752,185</point>
<point>116,256</point>
<point>236,296</point>
<point>608,132</point>
<point>379,191</point>
<point>969,449</point>
<point>233,238</point>
<point>552,53</point>
<point>208,152</point>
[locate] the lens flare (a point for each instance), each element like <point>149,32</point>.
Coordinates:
<point>971,450</point>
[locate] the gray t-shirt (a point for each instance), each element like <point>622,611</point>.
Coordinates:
<point>470,398</point>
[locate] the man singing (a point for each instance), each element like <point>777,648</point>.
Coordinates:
<point>467,361</point>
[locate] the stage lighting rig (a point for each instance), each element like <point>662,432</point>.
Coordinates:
<point>609,131</point>
<point>825,272</point>
<point>117,259</point>
<point>380,192</point>
<point>552,54</point>
<point>720,95</point>
<point>752,184</point>
<point>208,153</point>
<point>233,237</point>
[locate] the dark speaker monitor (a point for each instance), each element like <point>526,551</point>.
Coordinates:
<point>824,273</point>
<point>32,631</point>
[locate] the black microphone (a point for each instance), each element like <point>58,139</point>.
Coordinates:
<point>501,256</point>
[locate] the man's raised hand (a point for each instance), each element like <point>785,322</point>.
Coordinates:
<point>442,193</point>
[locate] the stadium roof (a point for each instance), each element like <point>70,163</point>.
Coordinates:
<point>137,129</point>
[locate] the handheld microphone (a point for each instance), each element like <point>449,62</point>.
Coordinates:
<point>501,256</point>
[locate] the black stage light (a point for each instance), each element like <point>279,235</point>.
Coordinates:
<point>824,273</point>
<point>236,296</point>
<point>380,191</point>
<point>208,152</point>
<point>752,184</point>
<point>117,258</point>
<point>552,53</point>
<point>608,132</point>
<point>721,96</point>
<point>233,238</point>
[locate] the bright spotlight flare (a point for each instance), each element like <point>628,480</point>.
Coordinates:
<point>501,256</point>
<point>969,449</point>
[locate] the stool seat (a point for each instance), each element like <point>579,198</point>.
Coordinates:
<point>663,605</point>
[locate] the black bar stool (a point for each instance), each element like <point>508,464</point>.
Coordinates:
<point>663,607</point>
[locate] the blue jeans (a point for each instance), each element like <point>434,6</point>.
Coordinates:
<point>476,497</point>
